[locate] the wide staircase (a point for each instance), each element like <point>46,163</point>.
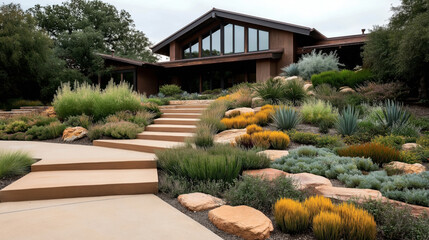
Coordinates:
<point>107,169</point>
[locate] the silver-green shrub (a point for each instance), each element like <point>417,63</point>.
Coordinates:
<point>317,62</point>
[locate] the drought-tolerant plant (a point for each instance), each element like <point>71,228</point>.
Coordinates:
<point>285,118</point>
<point>204,136</point>
<point>390,141</point>
<point>290,70</point>
<point>322,141</point>
<point>95,131</point>
<point>170,89</point>
<point>293,90</point>
<point>214,113</point>
<point>380,154</point>
<point>376,92</point>
<point>423,140</point>
<point>342,78</point>
<point>291,216</point>
<point>244,141</point>
<point>14,163</point>
<point>315,112</point>
<point>327,225</point>
<point>347,121</point>
<point>53,130</point>
<point>261,139</point>
<point>121,130</point>
<point>249,158</point>
<point>261,193</point>
<point>279,140</point>
<point>81,120</point>
<point>317,62</point>
<point>394,114</point>
<point>253,128</point>
<point>270,90</point>
<point>323,163</point>
<point>16,126</point>
<point>317,204</point>
<point>356,223</point>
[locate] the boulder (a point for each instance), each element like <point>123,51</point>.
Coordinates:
<point>256,100</point>
<point>49,112</point>
<point>292,78</point>
<point>268,173</point>
<point>73,133</point>
<point>199,201</point>
<point>309,180</point>
<point>281,78</point>
<point>228,136</point>
<point>415,209</point>
<point>242,221</point>
<point>346,90</point>
<point>307,86</point>
<point>241,110</point>
<point>274,154</point>
<point>257,109</point>
<point>346,194</point>
<point>310,93</point>
<point>406,167</point>
<point>409,146</point>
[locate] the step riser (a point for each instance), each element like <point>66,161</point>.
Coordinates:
<point>196,115</point>
<point>174,110</point>
<point>162,129</point>
<point>95,166</point>
<point>132,147</point>
<point>178,122</point>
<point>163,138</point>
<point>184,106</point>
<point>78,191</point>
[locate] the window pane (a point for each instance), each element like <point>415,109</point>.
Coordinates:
<point>195,50</point>
<point>216,42</point>
<point>253,39</point>
<point>263,40</point>
<point>187,53</point>
<point>206,46</point>
<point>238,39</point>
<point>227,48</point>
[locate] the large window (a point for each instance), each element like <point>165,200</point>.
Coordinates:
<point>191,50</point>
<point>238,39</point>
<point>233,39</point>
<point>258,40</point>
<point>211,43</point>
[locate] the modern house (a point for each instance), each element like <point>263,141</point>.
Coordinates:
<point>223,48</point>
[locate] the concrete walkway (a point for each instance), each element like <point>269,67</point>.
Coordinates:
<point>111,217</point>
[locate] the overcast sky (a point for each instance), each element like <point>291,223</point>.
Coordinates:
<point>160,18</point>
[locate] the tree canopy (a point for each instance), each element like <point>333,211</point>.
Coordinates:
<point>400,50</point>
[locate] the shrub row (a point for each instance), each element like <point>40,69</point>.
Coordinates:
<point>342,78</point>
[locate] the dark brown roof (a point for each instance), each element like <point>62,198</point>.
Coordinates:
<point>214,13</point>
<point>124,60</point>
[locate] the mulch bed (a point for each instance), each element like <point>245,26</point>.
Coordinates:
<point>4,181</point>
<point>82,141</point>
<point>203,219</point>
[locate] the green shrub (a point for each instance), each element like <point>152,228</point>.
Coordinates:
<point>291,70</point>
<point>249,158</point>
<point>142,118</point>
<point>397,223</point>
<point>261,193</point>
<point>16,126</point>
<point>14,163</point>
<point>158,101</point>
<point>315,112</point>
<point>347,121</point>
<point>317,62</point>
<point>322,162</point>
<point>423,140</point>
<point>51,131</point>
<point>270,90</point>
<point>285,118</point>
<point>94,102</point>
<point>95,132</point>
<point>76,121</point>
<point>152,108</point>
<point>406,130</point>
<point>380,154</point>
<point>40,120</point>
<point>170,89</point>
<point>213,114</point>
<point>376,92</point>
<point>293,90</point>
<point>390,141</point>
<point>331,142</point>
<point>342,78</point>
<point>324,141</point>
<point>121,130</point>
<point>204,136</point>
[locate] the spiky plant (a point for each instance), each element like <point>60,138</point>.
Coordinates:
<point>286,118</point>
<point>347,121</point>
<point>394,114</point>
<point>270,90</point>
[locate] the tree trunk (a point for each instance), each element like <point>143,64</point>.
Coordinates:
<point>423,88</point>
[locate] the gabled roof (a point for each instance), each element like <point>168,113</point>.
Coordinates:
<point>124,60</point>
<point>218,13</point>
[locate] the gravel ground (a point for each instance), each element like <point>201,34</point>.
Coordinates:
<point>202,218</point>
<point>8,180</point>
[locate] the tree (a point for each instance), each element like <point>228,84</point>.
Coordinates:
<point>400,50</point>
<point>82,28</point>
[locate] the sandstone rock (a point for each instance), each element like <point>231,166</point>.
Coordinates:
<point>241,110</point>
<point>309,180</point>
<point>257,109</point>
<point>406,167</point>
<point>281,78</point>
<point>346,90</point>
<point>228,136</point>
<point>199,201</point>
<point>410,146</point>
<point>292,78</point>
<point>73,133</point>
<point>256,100</point>
<point>307,86</point>
<point>415,210</point>
<point>50,112</point>
<point>310,93</point>
<point>345,194</point>
<point>274,154</point>
<point>242,221</point>
<point>268,173</point>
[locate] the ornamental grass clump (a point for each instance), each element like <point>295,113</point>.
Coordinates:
<point>379,154</point>
<point>244,141</point>
<point>327,225</point>
<point>262,117</point>
<point>291,216</point>
<point>13,163</point>
<point>356,223</point>
<point>261,139</point>
<point>204,136</point>
<point>279,140</point>
<point>253,128</point>
<point>316,204</point>
<point>319,112</point>
<point>285,118</point>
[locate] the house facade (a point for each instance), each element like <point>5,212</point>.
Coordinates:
<point>223,48</point>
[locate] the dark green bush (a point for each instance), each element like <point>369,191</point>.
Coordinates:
<point>79,121</point>
<point>51,131</point>
<point>152,108</point>
<point>204,136</point>
<point>170,89</point>
<point>322,141</point>
<point>249,158</point>
<point>261,193</point>
<point>14,163</point>
<point>119,130</point>
<point>158,101</point>
<point>342,78</point>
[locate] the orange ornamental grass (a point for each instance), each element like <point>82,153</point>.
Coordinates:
<point>252,128</point>
<point>279,140</point>
<point>379,154</point>
<point>291,216</point>
<point>316,204</point>
<point>356,223</point>
<point>327,225</point>
<point>244,141</point>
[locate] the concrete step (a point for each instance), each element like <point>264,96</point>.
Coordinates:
<point>141,145</point>
<point>171,128</point>
<point>86,183</point>
<point>165,136</point>
<point>182,110</point>
<point>179,121</point>
<point>181,115</point>
<point>184,106</point>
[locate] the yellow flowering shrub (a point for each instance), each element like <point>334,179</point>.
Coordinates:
<point>253,128</point>
<point>356,223</point>
<point>291,216</point>
<point>279,140</point>
<point>228,122</point>
<point>244,141</point>
<point>316,204</point>
<point>261,139</point>
<point>327,225</point>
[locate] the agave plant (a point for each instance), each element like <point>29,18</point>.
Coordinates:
<point>394,114</point>
<point>347,121</point>
<point>286,118</point>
